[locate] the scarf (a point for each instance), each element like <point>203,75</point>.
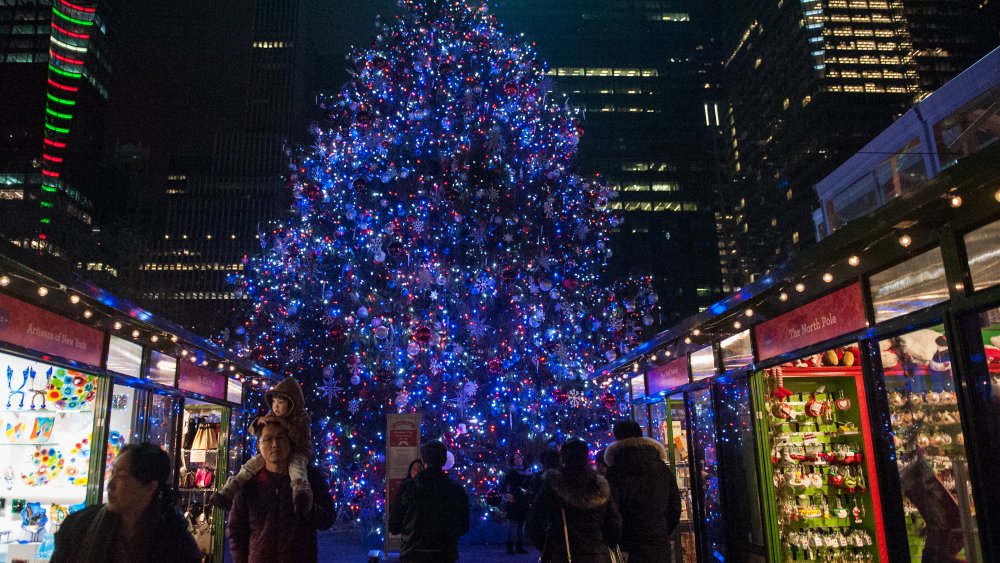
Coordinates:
<point>99,540</point>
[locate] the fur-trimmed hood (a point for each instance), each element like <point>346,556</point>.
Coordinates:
<point>594,493</point>
<point>622,454</point>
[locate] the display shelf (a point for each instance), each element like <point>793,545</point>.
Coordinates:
<point>29,443</point>
<point>46,411</point>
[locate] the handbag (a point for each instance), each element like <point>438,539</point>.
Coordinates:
<point>569,556</point>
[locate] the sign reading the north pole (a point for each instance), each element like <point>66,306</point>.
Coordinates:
<point>828,317</point>
<point>402,447</point>
<point>669,375</point>
<point>24,324</point>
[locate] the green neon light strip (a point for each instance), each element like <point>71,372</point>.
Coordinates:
<point>62,130</point>
<point>60,100</point>
<point>65,116</point>
<point>69,19</point>
<point>62,72</point>
<point>45,220</point>
<point>45,203</point>
<point>49,189</point>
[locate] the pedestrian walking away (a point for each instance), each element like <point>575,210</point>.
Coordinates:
<point>139,523</point>
<point>431,511</point>
<point>574,517</point>
<point>645,490</point>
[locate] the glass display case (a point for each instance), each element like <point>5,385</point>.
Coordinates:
<point>825,497</point>
<point>706,463</point>
<point>123,426</point>
<point>930,447</point>
<point>684,548</point>
<point>48,416</point>
<point>204,451</point>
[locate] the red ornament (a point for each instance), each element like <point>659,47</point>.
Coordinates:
<point>422,334</point>
<point>337,331</point>
<point>494,366</point>
<point>510,88</point>
<point>609,401</point>
<point>560,395</point>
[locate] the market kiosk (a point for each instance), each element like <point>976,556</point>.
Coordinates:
<point>870,404</point>
<point>84,378</point>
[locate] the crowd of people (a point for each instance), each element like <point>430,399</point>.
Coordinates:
<point>626,504</point>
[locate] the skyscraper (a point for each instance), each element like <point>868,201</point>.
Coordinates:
<point>215,207</point>
<point>642,72</point>
<point>55,69</point>
<point>808,84</point>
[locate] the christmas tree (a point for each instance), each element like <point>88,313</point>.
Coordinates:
<point>443,258</point>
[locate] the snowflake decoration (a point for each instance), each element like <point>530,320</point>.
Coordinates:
<point>508,238</point>
<point>616,324</point>
<point>424,279</point>
<point>354,406</point>
<point>470,388</point>
<point>436,366</point>
<point>548,206</point>
<point>402,399</point>
<point>328,320</point>
<point>484,285</point>
<point>434,295</point>
<point>479,236</point>
<point>291,329</point>
<point>418,226</point>
<point>330,389</point>
<point>492,193</point>
<point>478,328</point>
<point>582,231</point>
<point>295,355</point>
<point>576,399</point>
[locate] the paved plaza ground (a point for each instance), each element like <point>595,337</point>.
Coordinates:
<point>345,547</point>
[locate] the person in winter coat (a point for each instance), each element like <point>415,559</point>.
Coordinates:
<point>139,524</point>
<point>574,508</point>
<point>515,486</point>
<point>288,408</point>
<point>264,526</point>
<point>646,492</point>
<point>550,460</point>
<point>431,511</point>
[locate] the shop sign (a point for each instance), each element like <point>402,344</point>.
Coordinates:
<point>162,369</point>
<point>24,324</point>
<point>402,447</point>
<point>833,315</point>
<point>638,387</point>
<point>736,351</point>
<point>234,391</point>
<point>197,379</point>
<point>124,357</point>
<point>702,363</point>
<point>669,375</point>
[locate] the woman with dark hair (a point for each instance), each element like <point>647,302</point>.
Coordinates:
<point>416,466</point>
<point>139,523</point>
<point>515,486</point>
<point>574,516</point>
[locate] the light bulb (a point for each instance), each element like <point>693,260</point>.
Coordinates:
<point>737,325</point>
<point>4,281</point>
<point>135,333</point>
<point>854,260</point>
<point>87,314</point>
<point>748,312</point>
<point>800,287</point>
<point>828,277</point>
<point>43,291</point>
<point>955,201</point>
<point>905,241</point>
<point>696,332</point>
<point>74,299</point>
<point>687,339</point>
<point>783,296</point>
<point>118,325</point>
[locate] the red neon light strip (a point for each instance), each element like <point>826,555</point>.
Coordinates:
<point>75,7</point>
<point>50,173</point>
<point>866,431</point>
<point>52,158</point>
<point>65,59</point>
<point>55,84</point>
<point>70,33</point>
<point>55,144</point>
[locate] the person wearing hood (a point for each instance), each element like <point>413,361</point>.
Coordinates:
<point>516,485</point>
<point>574,516</point>
<point>288,408</point>
<point>645,490</point>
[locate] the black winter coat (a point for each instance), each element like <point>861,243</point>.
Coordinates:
<point>645,489</point>
<point>431,512</point>
<point>517,484</point>
<point>163,537</point>
<point>592,519</point>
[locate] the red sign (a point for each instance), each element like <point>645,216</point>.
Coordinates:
<point>828,317</point>
<point>668,376</point>
<point>32,327</point>
<point>197,379</point>
<point>402,448</point>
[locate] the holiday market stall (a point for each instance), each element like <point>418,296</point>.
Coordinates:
<point>846,406</point>
<point>87,373</point>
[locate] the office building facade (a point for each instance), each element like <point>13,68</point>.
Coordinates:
<point>642,73</point>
